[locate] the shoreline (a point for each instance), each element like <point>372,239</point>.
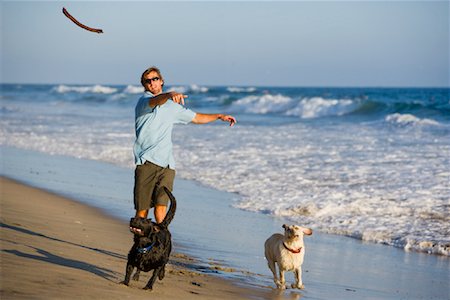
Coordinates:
<point>83,252</point>
<point>228,242</point>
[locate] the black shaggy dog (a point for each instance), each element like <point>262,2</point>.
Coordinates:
<point>151,250</point>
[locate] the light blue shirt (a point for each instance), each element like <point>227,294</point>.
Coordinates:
<point>154,130</point>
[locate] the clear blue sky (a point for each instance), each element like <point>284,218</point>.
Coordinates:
<point>336,43</point>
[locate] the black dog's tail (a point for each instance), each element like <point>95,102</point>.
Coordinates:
<point>171,213</point>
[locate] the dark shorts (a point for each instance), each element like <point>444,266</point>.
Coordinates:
<point>149,180</point>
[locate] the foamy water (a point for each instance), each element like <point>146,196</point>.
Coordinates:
<point>381,177</point>
<point>366,185</point>
<point>305,108</point>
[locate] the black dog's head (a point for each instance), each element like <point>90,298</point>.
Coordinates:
<point>145,225</point>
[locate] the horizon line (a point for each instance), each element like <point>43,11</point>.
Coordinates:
<point>237,85</point>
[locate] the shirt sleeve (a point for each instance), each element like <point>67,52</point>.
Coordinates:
<point>143,107</point>
<point>183,115</point>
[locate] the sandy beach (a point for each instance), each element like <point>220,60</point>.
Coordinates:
<point>55,248</point>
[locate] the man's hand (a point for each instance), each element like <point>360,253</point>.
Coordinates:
<point>228,118</point>
<point>178,97</point>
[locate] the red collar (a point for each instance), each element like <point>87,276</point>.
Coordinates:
<point>293,250</point>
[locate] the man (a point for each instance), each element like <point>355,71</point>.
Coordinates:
<point>155,165</point>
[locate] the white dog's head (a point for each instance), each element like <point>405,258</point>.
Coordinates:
<point>292,232</point>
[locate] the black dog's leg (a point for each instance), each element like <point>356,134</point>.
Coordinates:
<point>136,275</point>
<point>162,273</point>
<point>128,272</point>
<point>152,280</point>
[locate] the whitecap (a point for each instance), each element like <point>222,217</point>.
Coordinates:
<point>99,89</point>
<point>178,89</point>
<point>132,89</point>
<point>408,119</point>
<point>319,107</point>
<point>103,89</point>
<point>305,108</point>
<point>198,89</point>
<point>189,89</point>
<point>241,89</point>
<point>263,104</point>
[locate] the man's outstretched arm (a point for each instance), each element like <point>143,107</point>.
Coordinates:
<point>208,118</point>
<point>162,98</point>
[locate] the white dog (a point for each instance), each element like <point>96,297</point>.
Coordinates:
<point>287,251</point>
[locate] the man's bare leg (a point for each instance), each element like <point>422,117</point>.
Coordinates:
<point>160,213</point>
<point>142,213</point>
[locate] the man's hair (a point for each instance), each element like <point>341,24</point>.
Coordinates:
<point>151,69</point>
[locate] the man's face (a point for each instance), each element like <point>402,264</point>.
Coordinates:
<point>153,83</point>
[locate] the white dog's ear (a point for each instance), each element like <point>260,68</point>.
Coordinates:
<point>285,226</point>
<point>306,231</point>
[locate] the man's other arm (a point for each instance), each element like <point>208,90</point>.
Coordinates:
<point>208,118</point>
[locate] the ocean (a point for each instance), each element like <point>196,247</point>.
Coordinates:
<point>369,163</point>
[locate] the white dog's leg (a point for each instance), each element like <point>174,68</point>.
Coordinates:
<point>282,283</point>
<point>298,279</point>
<point>272,268</point>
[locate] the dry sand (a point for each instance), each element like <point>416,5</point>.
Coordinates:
<point>56,248</point>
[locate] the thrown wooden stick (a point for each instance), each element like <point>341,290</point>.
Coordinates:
<point>66,13</point>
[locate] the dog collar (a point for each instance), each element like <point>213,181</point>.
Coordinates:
<point>146,249</point>
<point>292,250</point>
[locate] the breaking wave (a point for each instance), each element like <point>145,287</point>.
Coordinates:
<point>305,108</point>
<point>409,120</point>
<point>96,89</point>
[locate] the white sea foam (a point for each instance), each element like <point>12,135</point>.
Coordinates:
<point>99,89</point>
<point>408,119</point>
<point>305,108</point>
<point>339,179</point>
<point>189,89</point>
<point>241,89</point>
<point>178,89</point>
<point>131,89</point>
<point>262,104</point>
<point>319,107</point>
<point>198,89</point>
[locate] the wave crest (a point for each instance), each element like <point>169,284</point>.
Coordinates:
<point>132,89</point>
<point>241,89</point>
<point>96,89</point>
<point>263,104</point>
<point>193,88</point>
<point>305,108</point>
<point>320,107</point>
<point>409,120</point>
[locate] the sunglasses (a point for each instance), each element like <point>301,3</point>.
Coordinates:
<point>149,80</point>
